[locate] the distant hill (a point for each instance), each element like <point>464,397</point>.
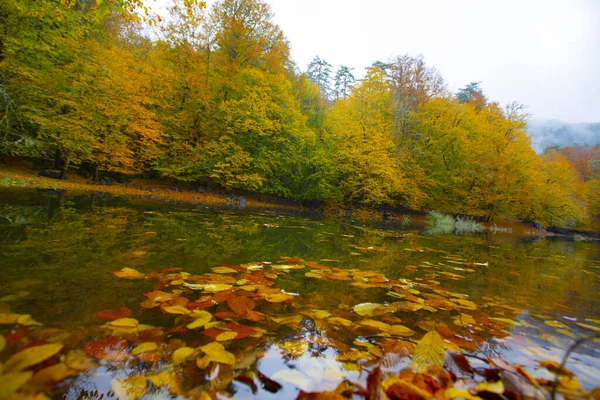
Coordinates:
<point>546,133</point>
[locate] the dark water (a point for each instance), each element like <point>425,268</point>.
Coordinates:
<point>529,298</point>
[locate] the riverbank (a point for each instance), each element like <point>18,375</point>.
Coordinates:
<point>23,173</point>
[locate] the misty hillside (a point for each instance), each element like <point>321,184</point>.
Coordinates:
<point>546,133</point>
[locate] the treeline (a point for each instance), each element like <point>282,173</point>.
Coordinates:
<point>213,94</point>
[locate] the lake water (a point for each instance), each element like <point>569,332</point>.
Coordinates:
<point>289,285</point>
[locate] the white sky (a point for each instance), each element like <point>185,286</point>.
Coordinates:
<point>543,53</point>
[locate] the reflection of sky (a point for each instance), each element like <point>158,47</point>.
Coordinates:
<point>532,341</point>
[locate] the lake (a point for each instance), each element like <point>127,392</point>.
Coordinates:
<point>266,304</point>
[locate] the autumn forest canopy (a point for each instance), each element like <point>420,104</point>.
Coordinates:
<point>213,94</point>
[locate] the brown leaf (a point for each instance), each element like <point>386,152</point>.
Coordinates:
<point>241,304</point>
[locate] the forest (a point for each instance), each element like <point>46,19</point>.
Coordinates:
<point>212,93</point>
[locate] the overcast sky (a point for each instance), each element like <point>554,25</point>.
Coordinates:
<point>543,53</point>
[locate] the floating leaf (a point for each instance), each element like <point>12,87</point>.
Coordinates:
<point>54,373</point>
<point>181,354</point>
<point>227,335</point>
<point>167,378</point>
<point>2,343</point>
<point>143,348</point>
<point>202,318</point>
<point>11,382</point>
<point>397,388</point>
<point>31,356</point>
<point>129,273</point>
<point>129,388</point>
<point>295,348</point>
<point>556,324</point>
<point>224,270</point>
<point>241,304</point>
<point>340,321</point>
<point>77,359</point>
<point>400,330</point>
<point>377,325</point>
<point>123,323</point>
<point>278,297</point>
<point>456,393</point>
<point>216,287</point>
<point>176,310</point>
<point>371,309</point>
<point>464,320</point>
<point>555,368</point>
<point>217,353</point>
<point>491,387</point>
<point>428,352</point>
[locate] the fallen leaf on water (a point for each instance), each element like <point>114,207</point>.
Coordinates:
<point>397,388</point>
<point>464,320</point>
<point>2,343</point>
<point>340,321</point>
<point>227,335</point>
<point>569,383</point>
<point>11,382</point>
<point>176,310</point>
<point>491,387</point>
<point>202,318</point>
<point>224,270</point>
<point>129,273</point>
<point>555,368</point>
<point>216,352</point>
<point>77,359</point>
<point>428,352</point>
<point>457,393</point>
<point>169,379</point>
<point>241,304</point>
<point>295,348</point>
<point>371,309</point>
<point>216,287</point>
<point>377,325</point>
<point>31,356</point>
<point>144,347</point>
<point>129,388</point>
<point>556,324</point>
<point>54,373</point>
<point>400,330</point>
<point>181,354</point>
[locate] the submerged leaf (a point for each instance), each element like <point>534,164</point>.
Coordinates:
<point>31,356</point>
<point>428,352</point>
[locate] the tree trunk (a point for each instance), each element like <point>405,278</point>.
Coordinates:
<point>57,159</point>
<point>63,171</point>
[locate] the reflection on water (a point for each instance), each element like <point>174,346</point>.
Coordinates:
<point>521,300</point>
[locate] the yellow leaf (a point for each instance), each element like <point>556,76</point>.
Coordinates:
<point>181,354</point>
<point>129,273</point>
<point>492,387</point>
<point>587,326</point>
<point>371,309</point>
<point>26,320</point>
<point>2,343</point>
<point>287,267</point>
<point>556,324</point>
<point>463,320</point>
<point>321,314</point>
<point>224,270</point>
<point>9,318</point>
<point>217,353</point>
<point>77,359</point>
<point>227,335</point>
<point>569,383</point>
<point>371,323</point>
<point>31,356</point>
<point>216,287</point>
<point>123,323</point>
<point>566,332</point>
<point>11,382</point>
<point>340,321</point>
<point>202,318</point>
<point>55,373</point>
<point>202,362</point>
<point>463,303</point>
<point>278,297</point>
<point>398,388</point>
<point>176,310</point>
<point>167,378</point>
<point>143,348</point>
<point>287,319</point>
<point>295,348</point>
<point>456,393</point>
<point>400,330</point>
<point>428,352</point>
<point>129,388</point>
